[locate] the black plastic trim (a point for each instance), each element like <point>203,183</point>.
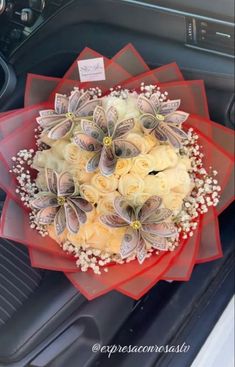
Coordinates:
<point>9,82</point>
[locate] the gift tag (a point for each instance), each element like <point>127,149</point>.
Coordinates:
<point>91,69</point>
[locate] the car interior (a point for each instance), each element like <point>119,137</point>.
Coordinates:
<point>44,320</point>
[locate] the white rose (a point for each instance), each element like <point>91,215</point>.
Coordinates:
<point>164,157</point>
<point>173,201</point>
<point>46,158</point>
<point>139,141</point>
<point>130,184</point>
<point>131,109</point>
<point>179,180</point>
<point>157,184</point>
<point>142,164</point>
<point>118,103</point>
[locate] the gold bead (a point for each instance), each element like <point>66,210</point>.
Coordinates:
<point>135,224</point>
<point>70,115</point>
<point>61,200</point>
<point>160,117</point>
<point>107,141</point>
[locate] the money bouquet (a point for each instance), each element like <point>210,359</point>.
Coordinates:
<point>115,174</point>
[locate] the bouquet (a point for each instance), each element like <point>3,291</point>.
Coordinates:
<point>115,174</point>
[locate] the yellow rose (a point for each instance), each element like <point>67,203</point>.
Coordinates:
<point>164,157</point>
<point>104,184</point>
<point>139,141</point>
<point>179,180</point>
<point>84,235</point>
<point>51,232</point>
<point>72,153</point>
<point>130,184</point>
<point>123,166</point>
<point>115,239</point>
<point>90,193</point>
<point>101,236</point>
<point>142,164</point>
<point>105,204</point>
<point>173,201</point>
<point>156,184</point>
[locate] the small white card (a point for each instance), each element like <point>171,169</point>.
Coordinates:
<point>91,70</point>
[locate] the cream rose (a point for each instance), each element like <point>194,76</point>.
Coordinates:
<point>156,184</point>
<point>104,184</point>
<point>164,157</point>
<point>150,141</point>
<point>179,180</point>
<point>173,201</point>
<point>46,158</point>
<point>105,204</point>
<point>80,176</point>
<point>130,184</point>
<point>115,240</point>
<point>139,199</point>
<point>73,154</point>
<point>41,180</point>
<point>123,166</point>
<point>101,236</point>
<point>84,235</point>
<point>142,164</point>
<point>139,141</point>
<point>90,193</point>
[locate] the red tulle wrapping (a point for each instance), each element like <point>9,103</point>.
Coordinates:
<point>128,69</point>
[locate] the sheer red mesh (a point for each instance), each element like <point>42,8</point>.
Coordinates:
<point>10,128</point>
<point>114,73</point>
<point>216,156</point>
<point>183,265</point>
<point>177,265</point>
<point>92,285</point>
<point>16,118</point>
<point>129,58</point>
<point>16,227</point>
<point>39,88</point>
<point>11,144</point>
<point>168,73</point>
<point>163,74</point>
<point>139,285</point>
<point>131,279</point>
<point>210,245</point>
<point>51,261</point>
